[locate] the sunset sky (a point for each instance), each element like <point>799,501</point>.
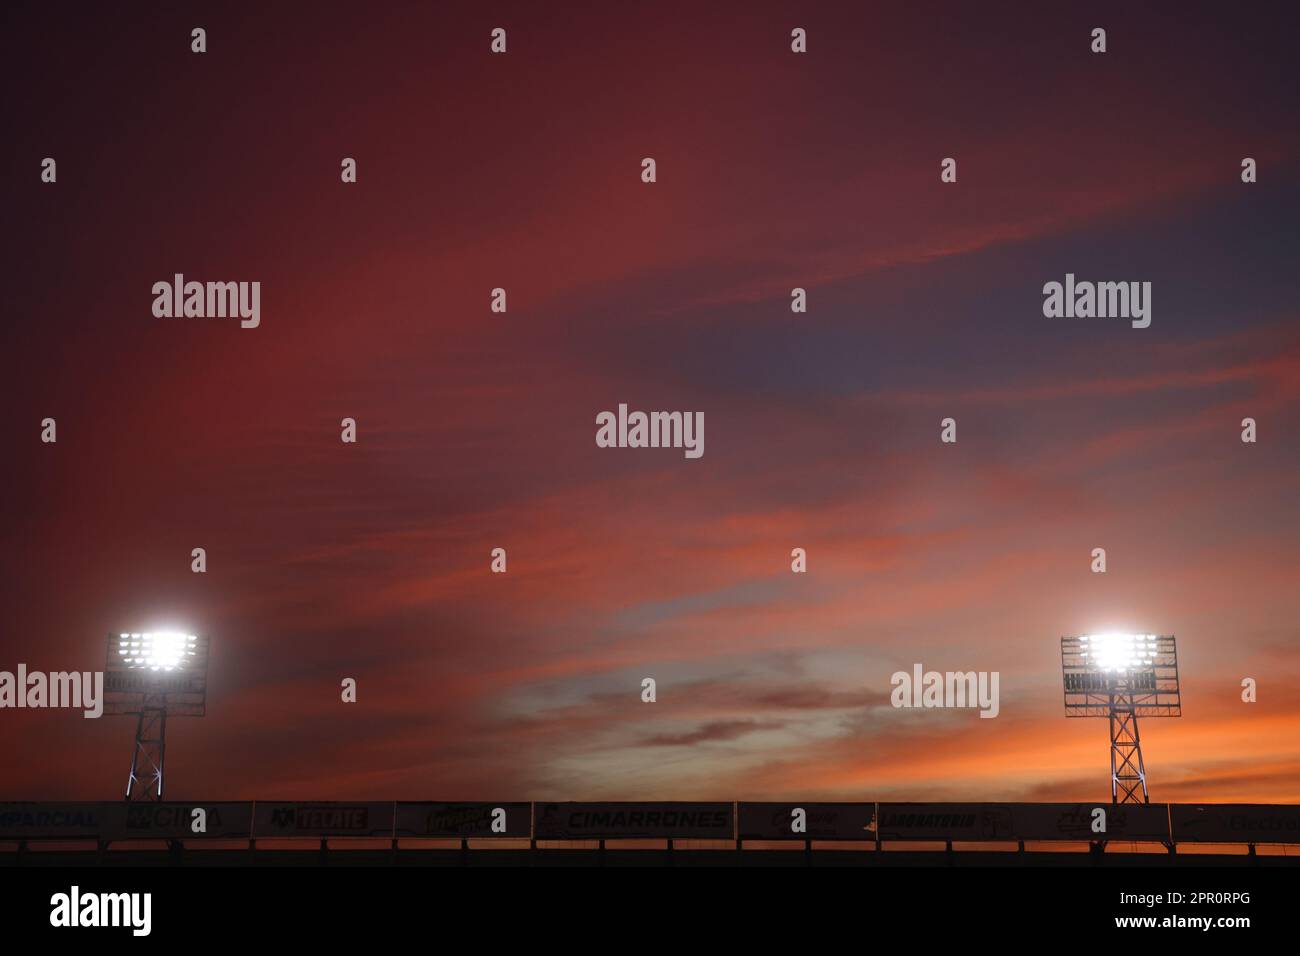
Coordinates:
<point>476,430</point>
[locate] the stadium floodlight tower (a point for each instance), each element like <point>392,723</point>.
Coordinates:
<point>151,676</point>
<point>1122,676</point>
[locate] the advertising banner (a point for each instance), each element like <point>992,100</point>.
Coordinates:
<point>464,820</point>
<point>599,821</point>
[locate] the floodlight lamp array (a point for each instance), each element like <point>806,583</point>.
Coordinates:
<point>1118,652</point>
<point>157,650</point>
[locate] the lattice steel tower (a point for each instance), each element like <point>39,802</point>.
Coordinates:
<point>151,676</point>
<point>1122,677</point>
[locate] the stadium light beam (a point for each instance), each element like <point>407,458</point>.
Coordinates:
<point>152,675</point>
<point>1121,677</point>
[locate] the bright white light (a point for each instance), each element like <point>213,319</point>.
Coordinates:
<point>1119,652</point>
<point>161,650</point>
